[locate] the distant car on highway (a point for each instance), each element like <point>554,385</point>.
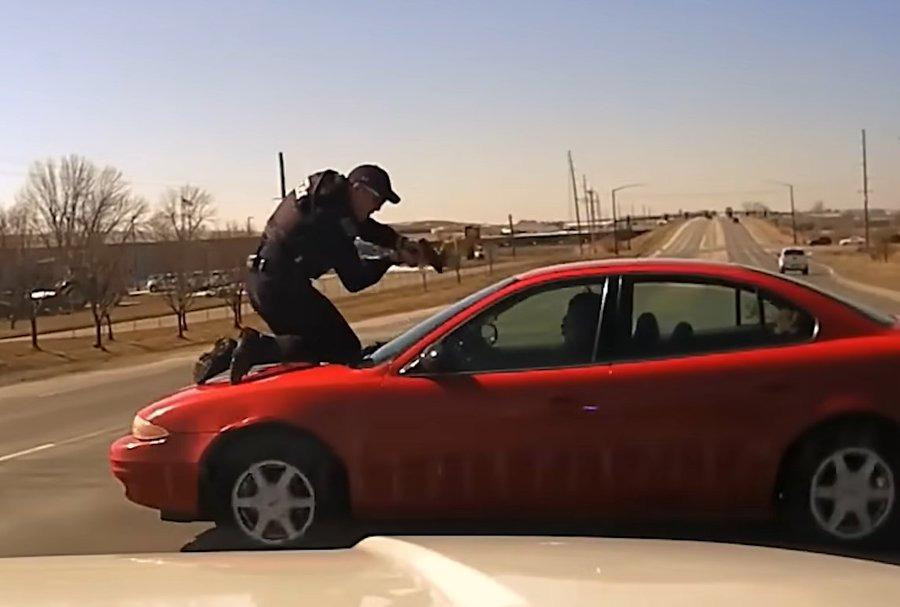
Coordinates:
<point>793,259</point>
<point>821,240</point>
<point>852,241</point>
<point>629,390</point>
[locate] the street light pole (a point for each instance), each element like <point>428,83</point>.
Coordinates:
<point>615,220</point>
<point>865,188</point>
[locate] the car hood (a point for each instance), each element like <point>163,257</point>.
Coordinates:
<point>482,572</point>
<point>273,393</point>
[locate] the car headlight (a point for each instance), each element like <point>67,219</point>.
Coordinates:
<point>141,429</point>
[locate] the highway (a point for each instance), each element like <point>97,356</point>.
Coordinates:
<point>60,498</point>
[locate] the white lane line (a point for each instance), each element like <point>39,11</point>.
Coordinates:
<point>66,441</point>
<point>674,237</point>
<point>10,456</point>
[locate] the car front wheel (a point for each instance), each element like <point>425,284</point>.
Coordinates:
<point>844,488</point>
<point>278,493</point>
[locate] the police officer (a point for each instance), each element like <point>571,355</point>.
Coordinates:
<point>304,238</point>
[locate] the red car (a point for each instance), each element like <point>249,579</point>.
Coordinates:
<point>638,389</point>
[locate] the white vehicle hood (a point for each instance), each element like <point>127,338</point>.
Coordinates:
<point>482,572</point>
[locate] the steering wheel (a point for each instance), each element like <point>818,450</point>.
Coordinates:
<point>489,333</point>
<point>467,346</point>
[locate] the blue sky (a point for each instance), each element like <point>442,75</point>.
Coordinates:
<point>470,106</point>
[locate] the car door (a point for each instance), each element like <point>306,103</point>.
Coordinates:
<point>500,429</point>
<point>700,378</point>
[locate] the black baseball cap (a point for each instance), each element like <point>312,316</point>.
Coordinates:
<point>376,178</point>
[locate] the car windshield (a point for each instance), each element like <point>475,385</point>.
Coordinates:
<point>794,252</point>
<point>403,341</point>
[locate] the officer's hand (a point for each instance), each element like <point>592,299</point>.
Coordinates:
<point>406,256</point>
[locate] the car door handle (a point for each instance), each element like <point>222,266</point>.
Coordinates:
<point>570,402</point>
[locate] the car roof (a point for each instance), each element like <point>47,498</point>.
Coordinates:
<point>663,264</point>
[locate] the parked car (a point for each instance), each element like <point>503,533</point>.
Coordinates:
<point>154,283</point>
<point>638,389</point>
<point>793,259</point>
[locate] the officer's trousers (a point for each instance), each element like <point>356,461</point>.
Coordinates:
<point>306,325</point>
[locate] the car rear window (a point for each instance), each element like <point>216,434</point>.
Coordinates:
<point>794,252</point>
<point>872,314</point>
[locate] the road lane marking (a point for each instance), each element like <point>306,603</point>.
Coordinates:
<point>671,240</point>
<point>65,441</point>
<point>10,456</point>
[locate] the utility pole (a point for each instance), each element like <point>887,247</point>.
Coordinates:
<point>589,219</point>
<point>575,195</point>
<point>281,174</point>
<point>865,188</point>
<point>594,221</point>
<point>512,235</point>
<point>793,216</point>
<point>615,221</point>
<point>790,187</point>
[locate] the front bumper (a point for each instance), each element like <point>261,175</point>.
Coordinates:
<point>163,474</point>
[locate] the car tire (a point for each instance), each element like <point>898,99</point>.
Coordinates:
<point>842,487</point>
<point>306,508</point>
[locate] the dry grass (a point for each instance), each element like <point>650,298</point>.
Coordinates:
<point>859,266</point>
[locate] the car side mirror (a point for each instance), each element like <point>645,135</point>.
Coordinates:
<point>429,362</point>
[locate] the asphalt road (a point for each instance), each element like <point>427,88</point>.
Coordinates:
<point>60,498</point>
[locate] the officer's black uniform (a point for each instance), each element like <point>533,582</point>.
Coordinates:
<point>304,238</point>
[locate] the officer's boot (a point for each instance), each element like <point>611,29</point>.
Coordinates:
<point>250,351</point>
<point>215,361</point>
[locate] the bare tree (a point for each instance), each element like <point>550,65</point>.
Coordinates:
<point>24,300</point>
<point>4,228</point>
<point>232,230</point>
<point>80,210</point>
<point>232,295</point>
<point>183,217</point>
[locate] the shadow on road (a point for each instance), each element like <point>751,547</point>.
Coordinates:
<point>747,534</point>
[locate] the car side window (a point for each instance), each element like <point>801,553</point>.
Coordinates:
<point>678,317</point>
<point>546,328</point>
<point>784,322</point>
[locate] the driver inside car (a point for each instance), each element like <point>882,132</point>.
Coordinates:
<point>579,326</point>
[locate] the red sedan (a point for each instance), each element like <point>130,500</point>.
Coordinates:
<point>640,389</point>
